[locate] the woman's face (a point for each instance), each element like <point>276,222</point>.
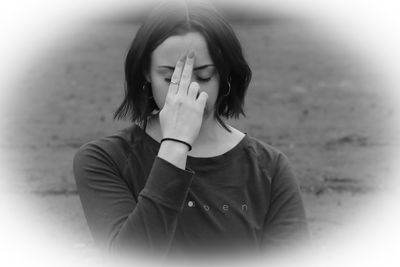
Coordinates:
<point>164,58</point>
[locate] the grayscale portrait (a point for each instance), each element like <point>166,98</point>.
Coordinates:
<point>180,129</point>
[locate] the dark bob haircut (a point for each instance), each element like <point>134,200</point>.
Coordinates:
<point>178,18</point>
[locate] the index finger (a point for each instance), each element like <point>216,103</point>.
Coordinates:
<point>176,76</point>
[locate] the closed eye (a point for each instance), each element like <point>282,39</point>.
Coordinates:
<point>203,79</point>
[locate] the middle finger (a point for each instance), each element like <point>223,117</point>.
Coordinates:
<point>186,74</point>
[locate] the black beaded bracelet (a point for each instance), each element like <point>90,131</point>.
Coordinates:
<point>177,140</point>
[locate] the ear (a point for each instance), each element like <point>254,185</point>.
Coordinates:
<point>146,75</point>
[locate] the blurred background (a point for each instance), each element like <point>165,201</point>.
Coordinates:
<point>313,96</point>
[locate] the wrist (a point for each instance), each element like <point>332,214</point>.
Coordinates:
<point>174,146</point>
<point>174,152</point>
<point>178,141</point>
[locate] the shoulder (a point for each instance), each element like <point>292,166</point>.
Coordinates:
<point>254,145</point>
<point>262,149</point>
<point>114,148</point>
<point>268,157</point>
<point>259,149</point>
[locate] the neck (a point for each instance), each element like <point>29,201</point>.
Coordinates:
<point>210,131</point>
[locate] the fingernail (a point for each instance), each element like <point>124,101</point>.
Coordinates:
<point>191,54</point>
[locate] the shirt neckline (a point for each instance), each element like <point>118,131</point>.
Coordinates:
<point>194,160</point>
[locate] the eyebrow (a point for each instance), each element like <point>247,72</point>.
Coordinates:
<point>194,69</point>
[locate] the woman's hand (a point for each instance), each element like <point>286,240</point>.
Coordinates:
<point>182,114</point>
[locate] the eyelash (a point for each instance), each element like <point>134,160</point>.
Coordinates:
<point>201,80</point>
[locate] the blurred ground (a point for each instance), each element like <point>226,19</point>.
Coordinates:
<point>316,102</point>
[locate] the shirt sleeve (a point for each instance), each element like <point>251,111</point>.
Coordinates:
<point>117,220</point>
<point>285,224</point>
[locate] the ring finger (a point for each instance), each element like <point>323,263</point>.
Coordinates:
<point>176,76</point>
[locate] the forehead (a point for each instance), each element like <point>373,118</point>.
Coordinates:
<point>169,51</point>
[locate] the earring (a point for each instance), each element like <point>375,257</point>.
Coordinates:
<point>144,89</point>
<point>145,85</point>
<point>229,87</point>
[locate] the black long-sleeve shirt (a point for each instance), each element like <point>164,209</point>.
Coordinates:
<point>245,198</point>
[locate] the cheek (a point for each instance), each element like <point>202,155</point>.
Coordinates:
<point>212,91</point>
<point>159,89</point>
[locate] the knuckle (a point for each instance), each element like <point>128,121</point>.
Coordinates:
<point>179,101</point>
<point>170,100</point>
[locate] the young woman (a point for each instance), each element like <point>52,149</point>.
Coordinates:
<point>180,179</point>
